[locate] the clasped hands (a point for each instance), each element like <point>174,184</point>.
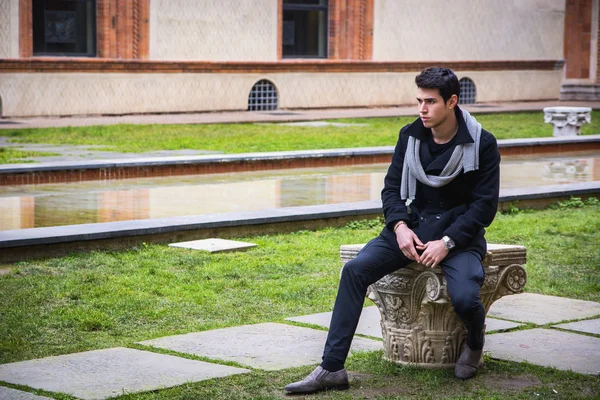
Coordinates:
<point>433,252</point>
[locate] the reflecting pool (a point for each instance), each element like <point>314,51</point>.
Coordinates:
<point>34,206</point>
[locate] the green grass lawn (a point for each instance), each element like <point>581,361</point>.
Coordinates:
<point>243,138</point>
<point>98,300</point>
<point>10,156</point>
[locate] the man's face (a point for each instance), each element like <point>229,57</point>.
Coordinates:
<point>432,109</point>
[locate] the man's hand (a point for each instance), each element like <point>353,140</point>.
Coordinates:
<point>433,253</point>
<point>406,239</point>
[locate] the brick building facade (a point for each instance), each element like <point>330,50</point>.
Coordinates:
<point>78,57</point>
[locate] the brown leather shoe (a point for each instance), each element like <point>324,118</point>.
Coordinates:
<point>468,363</point>
<point>318,380</point>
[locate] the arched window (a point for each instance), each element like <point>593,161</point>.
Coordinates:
<point>468,93</point>
<point>263,96</point>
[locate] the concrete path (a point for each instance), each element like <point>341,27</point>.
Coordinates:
<point>100,374</point>
<point>273,116</point>
<point>548,340</point>
<point>77,153</point>
<point>266,346</point>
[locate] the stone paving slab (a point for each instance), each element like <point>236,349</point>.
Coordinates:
<point>214,245</point>
<point>541,310</point>
<point>589,326</point>
<point>14,394</point>
<point>547,347</point>
<point>370,322</point>
<point>267,346</point>
<point>496,325</point>
<point>106,373</point>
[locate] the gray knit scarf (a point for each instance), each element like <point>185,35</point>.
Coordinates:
<point>464,158</point>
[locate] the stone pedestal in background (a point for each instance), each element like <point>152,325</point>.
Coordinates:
<point>567,121</point>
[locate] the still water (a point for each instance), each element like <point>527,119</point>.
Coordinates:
<point>35,206</point>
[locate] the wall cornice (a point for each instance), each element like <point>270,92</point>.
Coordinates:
<point>73,65</point>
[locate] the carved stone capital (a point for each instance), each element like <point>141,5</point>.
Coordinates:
<point>567,121</point>
<point>419,324</point>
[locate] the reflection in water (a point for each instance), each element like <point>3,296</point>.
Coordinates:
<point>104,201</point>
<point>571,170</point>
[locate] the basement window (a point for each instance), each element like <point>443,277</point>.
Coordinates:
<point>263,96</point>
<point>468,93</point>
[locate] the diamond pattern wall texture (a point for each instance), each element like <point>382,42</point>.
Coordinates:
<point>115,93</point>
<point>5,28</point>
<point>434,30</point>
<point>213,30</point>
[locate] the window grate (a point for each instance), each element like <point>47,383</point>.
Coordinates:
<point>263,96</point>
<point>468,93</point>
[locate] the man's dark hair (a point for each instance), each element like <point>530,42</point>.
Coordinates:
<point>443,79</point>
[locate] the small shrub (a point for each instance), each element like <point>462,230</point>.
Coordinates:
<point>573,202</point>
<point>512,209</point>
<point>366,224</point>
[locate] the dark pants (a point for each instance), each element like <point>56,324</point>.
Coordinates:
<point>464,277</point>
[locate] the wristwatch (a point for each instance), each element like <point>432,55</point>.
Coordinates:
<point>448,242</point>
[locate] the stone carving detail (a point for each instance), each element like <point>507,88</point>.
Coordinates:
<point>400,283</point>
<point>417,347</point>
<point>452,345</point>
<point>433,288</point>
<point>567,121</point>
<point>419,324</point>
<point>515,278</point>
<point>490,282</point>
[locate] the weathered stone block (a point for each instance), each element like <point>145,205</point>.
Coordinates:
<point>418,324</point>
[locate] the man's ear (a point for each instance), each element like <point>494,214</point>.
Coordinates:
<point>452,101</point>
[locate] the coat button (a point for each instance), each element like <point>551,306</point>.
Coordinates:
<point>439,216</point>
<point>422,218</point>
<point>442,205</point>
<point>428,201</point>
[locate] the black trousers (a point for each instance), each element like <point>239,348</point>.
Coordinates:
<point>464,276</point>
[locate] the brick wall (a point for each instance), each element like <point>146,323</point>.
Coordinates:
<point>597,16</point>
<point>351,29</point>
<point>578,34</point>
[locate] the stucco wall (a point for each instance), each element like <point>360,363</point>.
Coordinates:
<point>213,30</point>
<point>494,86</point>
<point>484,30</point>
<point>9,28</point>
<point>29,94</point>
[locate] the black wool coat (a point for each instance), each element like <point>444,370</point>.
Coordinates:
<point>461,209</point>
